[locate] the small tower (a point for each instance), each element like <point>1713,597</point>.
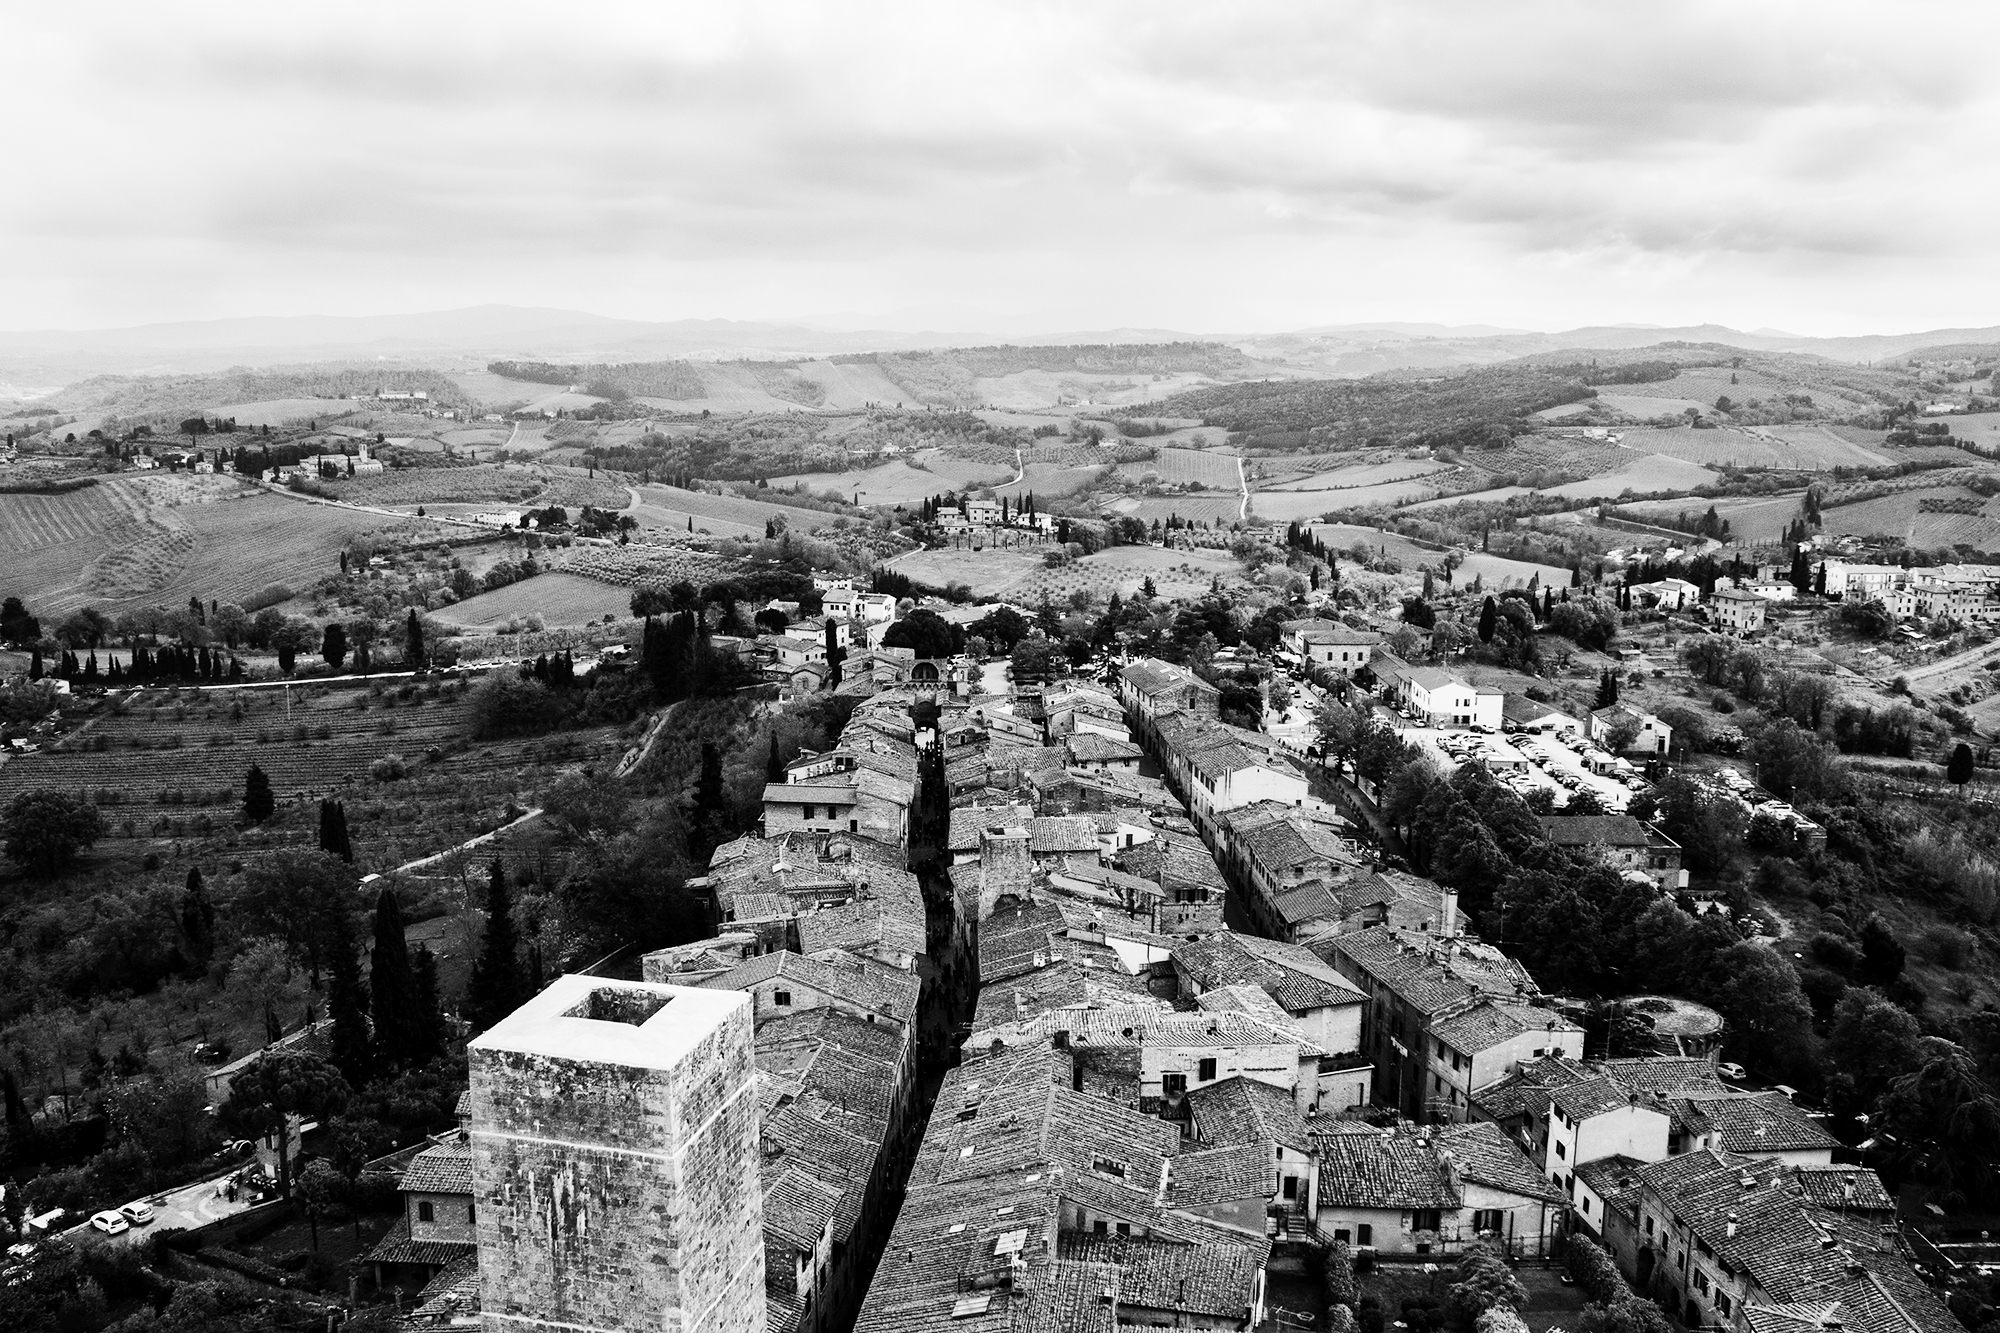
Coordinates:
<point>614,1130</point>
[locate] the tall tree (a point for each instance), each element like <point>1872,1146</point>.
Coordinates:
<point>258,802</point>
<point>197,916</point>
<point>347,1000</point>
<point>430,1017</point>
<point>278,1085</point>
<point>1959,770</point>
<point>333,831</point>
<point>774,764</point>
<point>497,988</point>
<point>333,644</point>
<point>835,654</point>
<point>413,641</point>
<point>1489,617</point>
<point>392,988</point>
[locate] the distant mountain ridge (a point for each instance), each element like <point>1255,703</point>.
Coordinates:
<point>469,337</point>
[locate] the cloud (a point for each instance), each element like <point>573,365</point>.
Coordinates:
<point>1217,166</point>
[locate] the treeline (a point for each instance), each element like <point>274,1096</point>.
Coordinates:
<point>617,382</point>
<point>1479,408</point>
<point>1204,358</point>
<point>168,399</point>
<point>755,448</point>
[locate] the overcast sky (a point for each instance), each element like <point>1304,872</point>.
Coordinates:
<point>1823,168</point>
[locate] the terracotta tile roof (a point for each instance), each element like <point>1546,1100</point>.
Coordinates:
<point>1482,1152</point>
<point>1218,1281</point>
<point>1294,976</point>
<point>1381,1170</point>
<point>396,1247</point>
<point>1605,830</point>
<point>1094,747</point>
<point>1057,835</point>
<point>444,1169</point>
<point>1243,1110</point>
<point>1754,1125</point>
<point>798,1209</point>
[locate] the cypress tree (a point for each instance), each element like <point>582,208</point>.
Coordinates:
<point>774,766</point>
<point>429,1017</point>
<point>258,803</point>
<point>413,641</point>
<point>496,989</point>
<point>1489,616</point>
<point>35,665</point>
<point>197,921</point>
<point>333,831</point>
<point>347,1000</point>
<point>392,988</point>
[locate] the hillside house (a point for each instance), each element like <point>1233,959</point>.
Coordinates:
<point>1623,843</point>
<point>1737,611</point>
<point>1437,697</point>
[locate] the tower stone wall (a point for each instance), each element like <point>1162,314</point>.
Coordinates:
<point>614,1130</point>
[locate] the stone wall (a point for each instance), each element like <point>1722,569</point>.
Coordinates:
<point>612,1196</point>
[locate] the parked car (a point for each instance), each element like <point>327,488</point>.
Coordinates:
<point>110,1223</point>
<point>1732,1071</point>
<point>138,1212</point>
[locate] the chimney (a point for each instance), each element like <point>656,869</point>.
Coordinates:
<point>1448,926</point>
<point>1729,1228</point>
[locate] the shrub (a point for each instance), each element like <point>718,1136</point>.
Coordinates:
<point>1499,1319</point>
<point>1368,1315</point>
<point>388,768</point>
<point>1484,1281</point>
<point>1594,1272</point>
<point>1337,1273</point>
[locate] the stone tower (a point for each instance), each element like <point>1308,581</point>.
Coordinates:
<point>614,1133</point>
<point>1006,866</point>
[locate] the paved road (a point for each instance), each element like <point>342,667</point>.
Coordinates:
<point>1242,486</point>
<point>188,1207</point>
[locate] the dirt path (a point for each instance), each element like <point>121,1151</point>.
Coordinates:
<point>1243,486</point>
<point>435,857</point>
<point>635,756</point>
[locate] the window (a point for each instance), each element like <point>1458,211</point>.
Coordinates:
<point>1291,1187</point>
<point>1721,1302</point>
<point>1424,1219</point>
<point>1649,1226</point>
<point>1487,1219</point>
<point>1173,1085</point>
<point>469,1219</point>
<point>783,997</point>
<point>1100,1226</point>
<point>1124,1228</point>
<point>1108,1166</point>
<point>853,826</point>
<point>424,1211</point>
<point>1561,1151</point>
<point>1206,1070</point>
<point>1364,1234</point>
<point>806,812</point>
<point>1340,1234</point>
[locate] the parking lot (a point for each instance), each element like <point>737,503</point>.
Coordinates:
<point>1561,763</point>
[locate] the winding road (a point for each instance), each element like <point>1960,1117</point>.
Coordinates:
<point>1242,485</point>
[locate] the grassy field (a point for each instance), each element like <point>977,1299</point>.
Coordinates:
<point>1646,408</point>
<point>1022,575</point>
<point>1284,506</point>
<point>1343,537</point>
<point>1806,448</point>
<point>142,540</point>
<point>1900,515</point>
<point>1051,479</point>
<point>1177,467</point>
<point>1651,472</point>
<point>1472,497</point>
<point>670,507</point>
<point>1364,474</point>
<point>1498,572</point>
<point>1204,507</point>
<point>279,411</point>
<point>899,483</point>
<point>559,599</point>
<point>1982,429</point>
<point>1750,519</point>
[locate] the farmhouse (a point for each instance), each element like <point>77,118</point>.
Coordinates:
<point>1329,643</point>
<point>1439,697</point>
<point>1737,610</point>
<point>1623,843</point>
<point>1650,736</point>
<point>1666,594</point>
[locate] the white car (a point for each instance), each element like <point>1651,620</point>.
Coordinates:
<point>1732,1071</point>
<point>138,1213</point>
<point>110,1222</point>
